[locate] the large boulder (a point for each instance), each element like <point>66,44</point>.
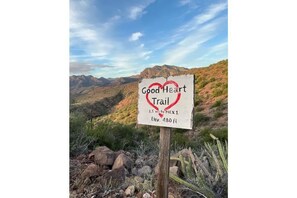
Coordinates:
<point>122,160</point>
<point>91,170</point>
<point>116,176</point>
<point>102,155</point>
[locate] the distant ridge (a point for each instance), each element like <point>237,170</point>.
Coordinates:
<point>83,81</point>
<point>164,71</point>
<point>87,81</point>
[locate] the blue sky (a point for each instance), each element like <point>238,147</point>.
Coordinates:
<point>114,38</point>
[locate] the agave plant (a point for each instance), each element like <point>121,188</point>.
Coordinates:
<point>206,175</point>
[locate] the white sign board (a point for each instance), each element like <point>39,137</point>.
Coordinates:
<point>166,102</point>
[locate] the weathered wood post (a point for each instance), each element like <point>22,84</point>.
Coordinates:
<point>163,166</point>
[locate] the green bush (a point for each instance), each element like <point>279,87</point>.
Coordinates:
<point>199,108</point>
<point>218,103</point>
<point>218,114</point>
<point>79,141</point>
<point>221,134</point>
<point>217,92</point>
<point>202,84</point>
<point>179,139</point>
<point>200,119</point>
<point>116,136</point>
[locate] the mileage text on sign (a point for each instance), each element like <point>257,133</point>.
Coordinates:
<point>166,102</point>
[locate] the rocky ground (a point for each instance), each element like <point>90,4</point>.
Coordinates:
<point>117,174</point>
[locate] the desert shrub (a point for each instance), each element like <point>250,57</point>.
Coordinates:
<point>217,92</point>
<point>218,114</point>
<point>79,141</point>
<point>199,108</point>
<point>212,79</point>
<point>202,84</point>
<point>116,136</point>
<point>178,138</point>
<point>200,118</point>
<point>221,134</point>
<point>198,100</point>
<point>218,103</point>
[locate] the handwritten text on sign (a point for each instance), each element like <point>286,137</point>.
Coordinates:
<point>167,102</point>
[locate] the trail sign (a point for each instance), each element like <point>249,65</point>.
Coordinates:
<point>166,102</point>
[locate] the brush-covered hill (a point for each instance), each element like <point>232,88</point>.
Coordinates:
<point>118,97</point>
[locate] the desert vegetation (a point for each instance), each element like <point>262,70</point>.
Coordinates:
<point>103,131</point>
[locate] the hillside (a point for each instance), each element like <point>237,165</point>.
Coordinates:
<point>111,155</point>
<point>211,94</point>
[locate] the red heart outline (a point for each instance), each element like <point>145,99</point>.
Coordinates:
<point>162,86</point>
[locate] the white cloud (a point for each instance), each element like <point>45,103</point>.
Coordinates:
<point>87,37</point>
<point>192,4</point>
<point>218,50</point>
<point>211,13</point>
<point>135,36</point>
<point>136,12</point>
<point>191,43</point>
<point>185,2</point>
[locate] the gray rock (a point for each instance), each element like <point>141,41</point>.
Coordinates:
<point>152,160</point>
<point>134,171</point>
<point>139,162</point>
<point>146,170</point>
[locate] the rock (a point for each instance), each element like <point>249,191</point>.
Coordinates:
<point>122,160</point>
<point>146,195</point>
<point>117,153</point>
<point>139,162</point>
<point>126,172</point>
<point>102,156</point>
<point>91,170</point>
<point>138,179</point>
<point>170,195</point>
<point>134,171</point>
<point>146,170</point>
<point>116,176</point>
<point>121,192</point>
<point>81,157</point>
<point>130,191</point>
<point>174,170</point>
<point>152,160</point>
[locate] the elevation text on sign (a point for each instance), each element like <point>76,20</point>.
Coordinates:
<point>166,102</point>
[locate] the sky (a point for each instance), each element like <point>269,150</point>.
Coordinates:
<point>117,38</point>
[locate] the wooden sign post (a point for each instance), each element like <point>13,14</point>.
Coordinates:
<point>168,103</point>
<point>164,159</point>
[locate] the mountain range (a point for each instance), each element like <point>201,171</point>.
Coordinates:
<point>115,99</point>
